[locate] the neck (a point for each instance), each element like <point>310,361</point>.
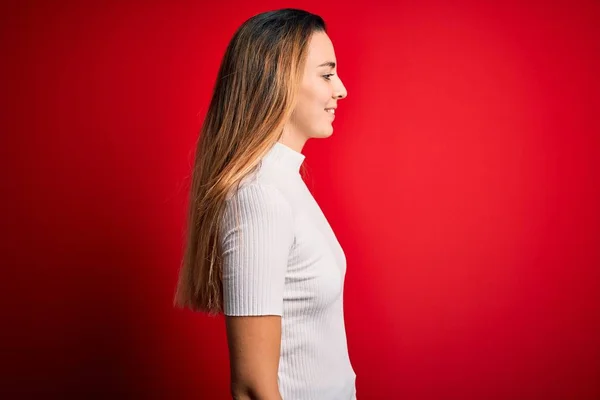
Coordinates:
<point>284,158</point>
<point>293,140</point>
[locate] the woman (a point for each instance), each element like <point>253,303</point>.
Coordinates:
<point>259,249</point>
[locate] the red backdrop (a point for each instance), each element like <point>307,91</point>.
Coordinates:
<point>462,180</point>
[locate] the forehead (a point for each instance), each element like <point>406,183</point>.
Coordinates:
<point>320,50</point>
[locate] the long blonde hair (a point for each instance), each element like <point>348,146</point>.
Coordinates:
<point>253,98</point>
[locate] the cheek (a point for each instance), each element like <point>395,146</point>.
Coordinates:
<point>313,97</point>
<point>316,93</point>
<point>323,93</point>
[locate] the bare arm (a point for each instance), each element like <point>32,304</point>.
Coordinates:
<point>256,245</point>
<point>254,348</point>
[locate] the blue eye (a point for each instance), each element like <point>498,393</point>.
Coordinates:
<point>328,77</point>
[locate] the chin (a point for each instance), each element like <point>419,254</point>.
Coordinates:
<point>322,134</point>
<point>327,132</point>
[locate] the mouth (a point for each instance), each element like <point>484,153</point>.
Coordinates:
<point>330,111</point>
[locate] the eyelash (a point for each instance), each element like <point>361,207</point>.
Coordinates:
<point>327,77</point>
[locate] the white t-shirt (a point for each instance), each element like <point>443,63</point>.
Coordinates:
<point>281,257</point>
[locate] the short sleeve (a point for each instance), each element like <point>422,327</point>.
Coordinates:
<point>256,238</point>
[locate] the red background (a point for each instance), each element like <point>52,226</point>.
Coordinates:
<point>462,180</point>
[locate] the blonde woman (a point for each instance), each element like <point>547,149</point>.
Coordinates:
<point>259,249</point>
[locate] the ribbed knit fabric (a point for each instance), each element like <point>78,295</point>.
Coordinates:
<point>281,257</point>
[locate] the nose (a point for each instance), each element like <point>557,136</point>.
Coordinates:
<point>340,92</point>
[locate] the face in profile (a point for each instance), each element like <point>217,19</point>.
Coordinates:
<point>320,90</point>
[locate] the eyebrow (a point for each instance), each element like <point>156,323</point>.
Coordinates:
<point>327,64</point>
